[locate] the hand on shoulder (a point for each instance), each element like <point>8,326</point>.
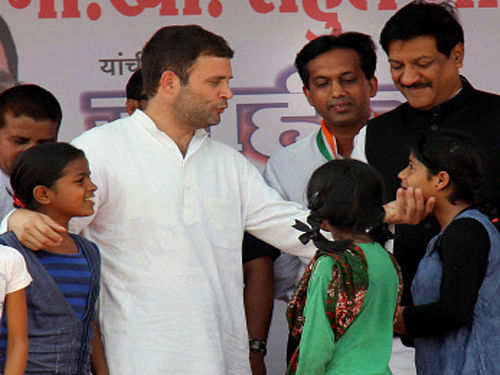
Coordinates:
<point>34,229</point>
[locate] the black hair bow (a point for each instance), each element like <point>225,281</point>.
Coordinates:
<point>309,232</point>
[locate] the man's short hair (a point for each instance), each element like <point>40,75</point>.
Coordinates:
<point>362,44</point>
<point>31,101</point>
<point>134,86</point>
<point>420,18</point>
<point>176,48</point>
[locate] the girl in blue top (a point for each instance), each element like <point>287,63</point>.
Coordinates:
<point>455,322</point>
<point>63,334</point>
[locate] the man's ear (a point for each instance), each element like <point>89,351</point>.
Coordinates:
<point>169,81</point>
<point>373,86</point>
<point>131,105</point>
<point>307,93</point>
<point>42,195</point>
<point>457,54</point>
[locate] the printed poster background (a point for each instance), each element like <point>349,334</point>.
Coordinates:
<point>85,50</point>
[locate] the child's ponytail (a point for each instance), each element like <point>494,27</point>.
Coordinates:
<point>348,194</point>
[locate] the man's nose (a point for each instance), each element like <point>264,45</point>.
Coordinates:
<point>409,76</point>
<point>226,92</point>
<point>337,89</point>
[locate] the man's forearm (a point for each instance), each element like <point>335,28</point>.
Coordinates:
<point>258,298</point>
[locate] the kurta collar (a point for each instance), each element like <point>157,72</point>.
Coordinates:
<point>148,124</point>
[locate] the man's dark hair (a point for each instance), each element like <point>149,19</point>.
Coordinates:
<point>362,44</point>
<point>31,101</point>
<point>9,48</point>
<point>134,86</point>
<point>176,48</point>
<point>419,19</point>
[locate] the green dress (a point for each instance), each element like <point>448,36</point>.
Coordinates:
<point>365,347</point>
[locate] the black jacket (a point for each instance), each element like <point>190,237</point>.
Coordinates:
<point>387,139</point>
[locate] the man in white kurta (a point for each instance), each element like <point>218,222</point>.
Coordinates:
<point>170,212</point>
<point>170,229</point>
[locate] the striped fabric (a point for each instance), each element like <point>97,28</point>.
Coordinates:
<point>72,275</point>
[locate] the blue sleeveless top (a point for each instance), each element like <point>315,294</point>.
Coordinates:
<point>471,349</point>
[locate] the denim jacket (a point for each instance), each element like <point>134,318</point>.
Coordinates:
<point>473,348</point>
<point>59,342</point>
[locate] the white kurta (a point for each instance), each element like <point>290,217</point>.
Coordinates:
<point>6,203</point>
<point>170,230</point>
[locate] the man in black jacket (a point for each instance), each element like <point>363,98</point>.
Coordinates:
<point>425,46</point>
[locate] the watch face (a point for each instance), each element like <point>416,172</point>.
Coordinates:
<point>258,346</point>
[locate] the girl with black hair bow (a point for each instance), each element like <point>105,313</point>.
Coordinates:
<point>342,311</point>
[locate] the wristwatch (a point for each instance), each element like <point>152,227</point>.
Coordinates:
<point>258,346</point>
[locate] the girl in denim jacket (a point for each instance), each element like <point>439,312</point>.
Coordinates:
<point>64,338</point>
<point>455,322</point>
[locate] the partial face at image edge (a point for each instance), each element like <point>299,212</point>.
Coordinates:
<point>20,133</point>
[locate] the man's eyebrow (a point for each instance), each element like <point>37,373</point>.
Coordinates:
<point>220,77</point>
